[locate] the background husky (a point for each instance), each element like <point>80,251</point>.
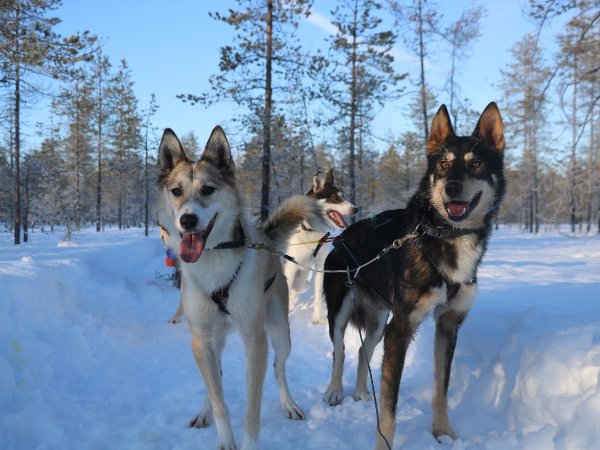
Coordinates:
<point>334,206</point>
<point>223,282</point>
<point>452,211</point>
<point>176,276</point>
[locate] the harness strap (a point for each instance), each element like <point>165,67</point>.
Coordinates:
<point>342,245</point>
<point>269,282</point>
<point>320,244</point>
<point>221,295</point>
<point>237,242</point>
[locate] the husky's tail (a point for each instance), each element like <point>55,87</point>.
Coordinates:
<point>286,219</point>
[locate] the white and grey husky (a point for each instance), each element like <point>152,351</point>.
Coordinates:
<point>302,244</point>
<point>226,283</point>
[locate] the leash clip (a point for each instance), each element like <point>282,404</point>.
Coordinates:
<point>350,282</point>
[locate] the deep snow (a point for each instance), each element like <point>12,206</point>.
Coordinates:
<point>87,359</point>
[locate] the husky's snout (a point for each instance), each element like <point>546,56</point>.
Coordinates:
<point>188,221</point>
<point>453,188</point>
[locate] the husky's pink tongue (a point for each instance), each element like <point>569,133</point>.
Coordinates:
<point>337,218</point>
<point>191,247</point>
<point>457,209</point>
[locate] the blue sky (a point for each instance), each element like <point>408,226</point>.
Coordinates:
<point>173,47</point>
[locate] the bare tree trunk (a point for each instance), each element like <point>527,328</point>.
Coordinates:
<point>590,195</point>
<point>266,157</point>
<point>147,190</point>
<point>121,187</point>
<point>353,107</point>
<point>77,169</point>
<point>17,218</point>
<point>422,75</point>
<point>99,186</point>
<point>573,154</point>
<point>452,86</point>
<point>26,205</point>
<point>534,166</point>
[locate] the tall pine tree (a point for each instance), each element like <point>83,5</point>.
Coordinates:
<point>124,139</point>
<point>255,67</point>
<point>357,76</point>
<point>30,46</point>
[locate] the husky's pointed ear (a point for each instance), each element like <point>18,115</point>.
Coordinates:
<point>218,152</point>
<point>318,182</point>
<point>441,130</point>
<point>490,128</point>
<point>329,177</point>
<point>170,151</point>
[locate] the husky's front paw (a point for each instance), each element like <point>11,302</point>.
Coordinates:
<point>293,411</point>
<point>249,444</point>
<point>202,420</point>
<point>319,319</point>
<point>226,446</point>
<point>362,395</point>
<point>440,430</point>
<point>227,443</point>
<point>333,396</point>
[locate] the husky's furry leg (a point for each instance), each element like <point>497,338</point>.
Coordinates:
<point>255,342</point>
<point>319,315</point>
<point>337,328</point>
<point>448,322</point>
<point>208,360</point>
<point>398,334</point>
<point>279,331</point>
<point>177,316</point>
<point>205,416</point>
<point>290,271</point>
<point>373,334</point>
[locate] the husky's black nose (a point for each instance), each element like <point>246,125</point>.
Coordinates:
<point>453,188</point>
<point>188,221</point>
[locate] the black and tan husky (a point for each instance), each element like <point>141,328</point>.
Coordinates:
<point>224,283</point>
<point>451,212</point>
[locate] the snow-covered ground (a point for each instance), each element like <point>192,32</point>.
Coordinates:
<point>87,359</point>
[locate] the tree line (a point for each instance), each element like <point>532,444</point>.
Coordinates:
<point>303,111</point>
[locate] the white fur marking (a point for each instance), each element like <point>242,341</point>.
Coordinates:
<point>427,303</point>
<point>469,251</point>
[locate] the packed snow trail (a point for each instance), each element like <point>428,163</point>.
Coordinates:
<point>87,359</point>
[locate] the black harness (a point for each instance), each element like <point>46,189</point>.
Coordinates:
<point>424,229</point>
<point>306,227</point>
<point>221,295</point>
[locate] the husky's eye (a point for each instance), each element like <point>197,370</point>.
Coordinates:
<point>207,190</point>
<point>444,165</point>
<point>177,192</point>
<point>476,164</point>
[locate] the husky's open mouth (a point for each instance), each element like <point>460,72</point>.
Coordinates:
<point>336,218</point>
<point>458,210</point>
<point>192,244</point>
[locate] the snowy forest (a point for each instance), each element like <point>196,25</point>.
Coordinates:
<point>96,161</point>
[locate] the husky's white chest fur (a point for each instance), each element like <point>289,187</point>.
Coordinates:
<point>463,268</point>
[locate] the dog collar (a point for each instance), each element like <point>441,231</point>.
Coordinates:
<point>442,233</point>
<point>236,243</point>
